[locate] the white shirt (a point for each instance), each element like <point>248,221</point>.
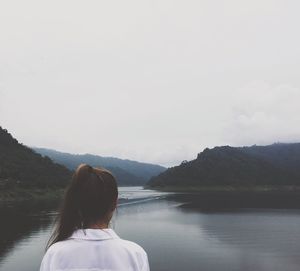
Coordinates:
<point>95,250</point>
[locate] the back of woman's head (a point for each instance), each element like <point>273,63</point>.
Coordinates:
<point>90,197</point>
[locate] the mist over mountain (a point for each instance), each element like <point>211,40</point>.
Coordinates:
<point>22,167</point>
<point>127,171</point>
<point>277,164</point>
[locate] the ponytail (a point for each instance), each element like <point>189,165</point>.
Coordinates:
<point>90,197</point>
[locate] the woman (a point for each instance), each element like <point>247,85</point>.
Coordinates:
<point>82,240</point>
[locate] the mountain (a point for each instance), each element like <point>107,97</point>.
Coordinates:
<point>125,178</point>
<point>285,155</point>
<point>277,164</point>
<point>22,167</point>
<point>127,171</point>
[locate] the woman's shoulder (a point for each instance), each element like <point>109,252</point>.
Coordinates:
<point>132,246</point>
<point>58,248</point>
<point>53,248</point>
<point>137,252</point>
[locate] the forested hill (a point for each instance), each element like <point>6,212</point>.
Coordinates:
<point>280,154</point>
<point>22,167</point>
<point>277,164</point>
<point>127,171</point>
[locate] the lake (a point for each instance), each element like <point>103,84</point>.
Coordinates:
<point>174,230</point>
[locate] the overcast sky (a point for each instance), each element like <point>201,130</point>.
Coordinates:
<point>155,81</point>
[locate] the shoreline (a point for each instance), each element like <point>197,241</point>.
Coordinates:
<point>234,198</point>
<point>209,193</point>
<point>33,194</point>
<point>30,194</point>
<point>228,189</point>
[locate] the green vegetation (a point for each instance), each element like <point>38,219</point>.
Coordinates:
<point>226,168</point>
<point>26,174</point>
<point>26,194</point>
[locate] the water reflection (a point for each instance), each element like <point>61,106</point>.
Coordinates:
<point>255,240</point>
<point>174,230</point>
<point>22,233</point>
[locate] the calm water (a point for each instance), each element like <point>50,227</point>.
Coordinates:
<point>175,238</point>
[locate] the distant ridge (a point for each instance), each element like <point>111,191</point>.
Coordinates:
<point>277,164</point>
<point>127,171</point>
<point>285,155</point>
<point>22,167</point>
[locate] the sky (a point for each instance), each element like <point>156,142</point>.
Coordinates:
<point>154,81</point>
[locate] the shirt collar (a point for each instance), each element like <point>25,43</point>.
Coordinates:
<point>94,234</point>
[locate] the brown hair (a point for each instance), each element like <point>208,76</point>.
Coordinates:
<point>91,196</point>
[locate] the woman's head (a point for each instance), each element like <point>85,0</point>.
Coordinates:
<point>90,198</point>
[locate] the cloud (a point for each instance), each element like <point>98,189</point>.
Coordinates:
<point>262,113</point>
<point>155,82</point>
